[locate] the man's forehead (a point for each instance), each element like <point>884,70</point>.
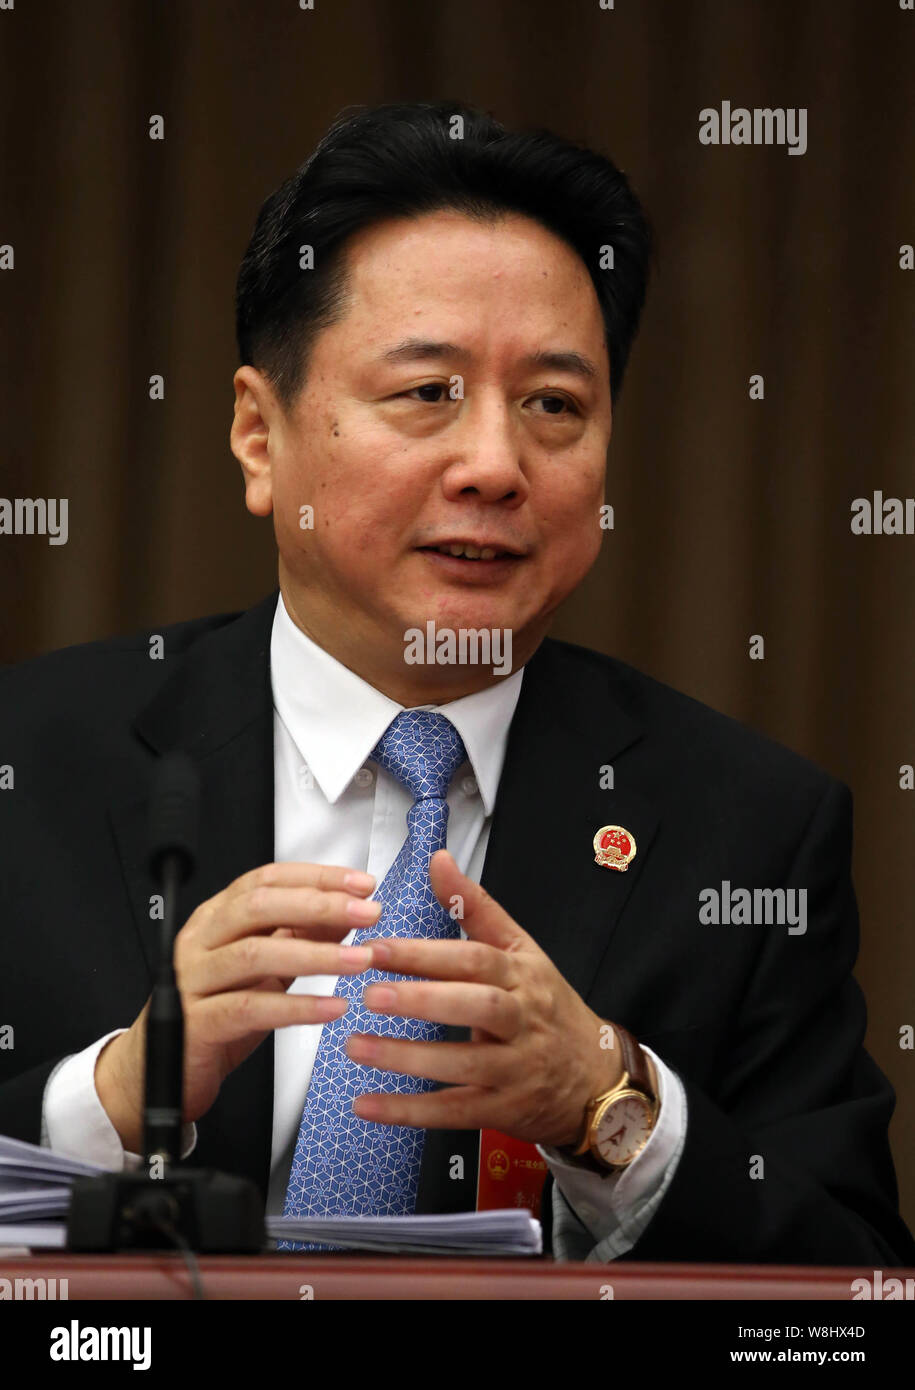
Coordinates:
<point>468,289</point>
<point>448,245</point>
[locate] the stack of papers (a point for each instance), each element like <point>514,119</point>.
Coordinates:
<point>35,1198</point>
<point>510,1232</point>
<point>34,1182</point>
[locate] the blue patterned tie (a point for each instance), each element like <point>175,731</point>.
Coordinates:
<point>344,1165</point>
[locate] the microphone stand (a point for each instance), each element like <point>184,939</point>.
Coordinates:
<point>166,1205</point>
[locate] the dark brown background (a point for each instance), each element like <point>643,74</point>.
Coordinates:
<point>732,516</point>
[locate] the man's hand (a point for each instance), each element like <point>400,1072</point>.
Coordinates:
<point>535,1057</point>
<point>235,957</point>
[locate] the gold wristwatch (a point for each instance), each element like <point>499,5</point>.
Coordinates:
<point>619,1122</point>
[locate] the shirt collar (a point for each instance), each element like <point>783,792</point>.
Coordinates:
<point>335,718</point>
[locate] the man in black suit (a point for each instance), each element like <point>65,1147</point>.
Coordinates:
<point>687,1059</point>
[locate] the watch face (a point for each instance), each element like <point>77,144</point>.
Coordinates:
<point>623,1129</point>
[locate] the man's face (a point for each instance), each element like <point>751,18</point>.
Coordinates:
<point>398,459</point>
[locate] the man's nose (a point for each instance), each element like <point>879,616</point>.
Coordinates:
<point>488,455</point>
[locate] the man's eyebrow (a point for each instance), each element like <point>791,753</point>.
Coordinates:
<point>574,362</point>
<point>426,349</point>
<point>422,350</point>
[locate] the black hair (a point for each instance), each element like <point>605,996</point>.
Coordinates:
<point>405,159</point>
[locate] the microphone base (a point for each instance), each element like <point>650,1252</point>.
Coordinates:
<point>214,1213</point>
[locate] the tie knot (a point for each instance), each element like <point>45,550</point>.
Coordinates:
<point>423,750</point>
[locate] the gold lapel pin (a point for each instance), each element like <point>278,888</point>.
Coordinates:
<point>614,847</point>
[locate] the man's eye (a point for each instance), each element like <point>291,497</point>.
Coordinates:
<point>433,392</point>
<point>434,386</point>
<point>554,405</point>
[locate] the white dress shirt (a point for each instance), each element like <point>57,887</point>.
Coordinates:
<point>334,806</point>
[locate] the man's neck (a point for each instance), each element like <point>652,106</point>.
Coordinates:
<point>405,684</point>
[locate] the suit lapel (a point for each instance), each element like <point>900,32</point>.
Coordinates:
<point>539,864</point>
<point>218,709</point>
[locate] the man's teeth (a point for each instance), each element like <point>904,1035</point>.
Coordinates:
<point>469,552</point>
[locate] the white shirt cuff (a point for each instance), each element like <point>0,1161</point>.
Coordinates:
<point>74,1121</point>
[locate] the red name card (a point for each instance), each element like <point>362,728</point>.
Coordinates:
<point>512,1173</point>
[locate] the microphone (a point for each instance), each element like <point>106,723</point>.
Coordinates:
<point>174,815</point>
<point>167,1204</point>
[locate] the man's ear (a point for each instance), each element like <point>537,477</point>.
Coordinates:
<point>256,408</point>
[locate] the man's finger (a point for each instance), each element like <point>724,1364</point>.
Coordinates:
<point>293,874</point>
<point>248,961</point>
<point>318,914</point>
<point>456,1107</point>
<point>493,1010</point>
<point>461,1063</point>
<point>481,916</point>
<point>225,1018</point>
<point>444,960</point>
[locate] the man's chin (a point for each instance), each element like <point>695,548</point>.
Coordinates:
<point>447,615</point>
<point>492,636</point>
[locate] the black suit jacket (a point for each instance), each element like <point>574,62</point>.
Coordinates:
<point>765,1029</point>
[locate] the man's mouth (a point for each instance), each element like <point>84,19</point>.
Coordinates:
<point>467,550</point>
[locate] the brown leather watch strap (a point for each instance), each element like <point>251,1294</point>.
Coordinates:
<point>635,1062</point>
